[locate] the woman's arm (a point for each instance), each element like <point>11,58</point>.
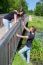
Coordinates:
<point>21,36</point>
<point>21,13</point>
<point>15,18</point>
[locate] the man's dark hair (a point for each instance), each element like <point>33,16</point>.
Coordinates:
<point>34,29</point>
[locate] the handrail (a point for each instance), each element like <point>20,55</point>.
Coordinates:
<point>8,34</point>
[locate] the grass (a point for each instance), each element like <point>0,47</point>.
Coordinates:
<point>38,23</point>
<point>19,61</point>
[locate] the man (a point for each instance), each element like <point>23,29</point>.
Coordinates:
<point>28,45</point>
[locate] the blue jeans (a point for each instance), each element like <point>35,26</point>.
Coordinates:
<point>7,24</point>
<point>27,50</point>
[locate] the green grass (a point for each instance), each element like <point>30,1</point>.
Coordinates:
<point>38,23</point>
<point>19,61</point>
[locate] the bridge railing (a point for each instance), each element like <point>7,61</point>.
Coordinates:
<point>9,43</point>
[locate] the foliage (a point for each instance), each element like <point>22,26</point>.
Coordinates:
<point>31,12</point>
<point>41,0</point>
<point>4,6</point>
<point>37,46</point>
<point>39,9</point>
<point>24,5</point>
<point>37,51</point>
<point>37,21</point>
<point>19,61</point>
<point>9,5</point>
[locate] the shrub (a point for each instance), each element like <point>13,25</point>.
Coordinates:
<point>36,51</point>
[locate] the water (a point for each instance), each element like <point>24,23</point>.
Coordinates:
<point>39,35</point>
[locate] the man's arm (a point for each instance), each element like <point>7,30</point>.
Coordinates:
<point>21,36</point>
<point>25,27</point>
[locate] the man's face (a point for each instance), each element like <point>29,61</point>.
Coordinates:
<point>31,29</point>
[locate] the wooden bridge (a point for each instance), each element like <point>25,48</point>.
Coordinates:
<point>9,43</point>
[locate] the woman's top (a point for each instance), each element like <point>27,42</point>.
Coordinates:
<point>10,16</point>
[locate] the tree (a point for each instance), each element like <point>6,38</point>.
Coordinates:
<point>39,9</point>
<point>41,0</point>
<point>4,6</point>
<point>42,10</point>
<point>24,5</point>
<point>9,5</point>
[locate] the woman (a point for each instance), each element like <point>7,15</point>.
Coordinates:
<point>28,45</point>
<point>21,13</point>
<point>7,19</point>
